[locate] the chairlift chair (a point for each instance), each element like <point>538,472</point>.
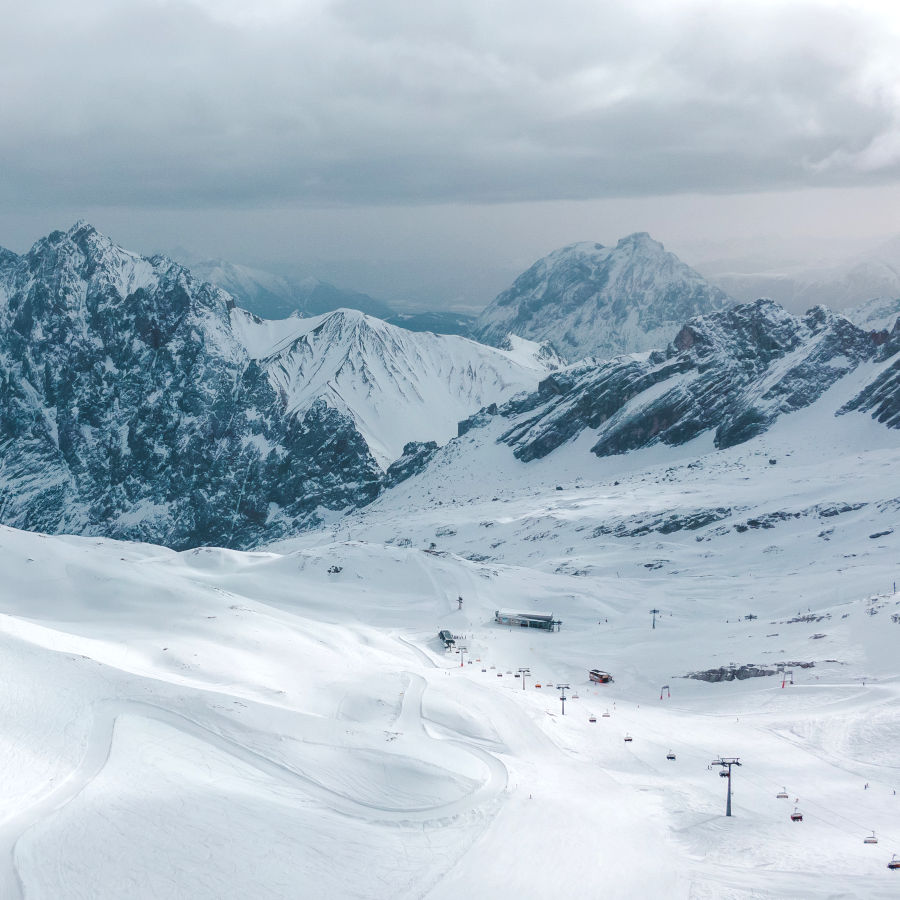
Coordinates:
<point>670,755</point>
<point>894,863</point>
<point>592,719</point>
<point>782,794</point>
<point>627,738</point>
<point>606,714</point>
<point>796,815</point>
<point>871,839</point>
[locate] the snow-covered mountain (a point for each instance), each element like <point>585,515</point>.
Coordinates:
<point>726,378</point>
<point>591,300</point>
<point>729,374</point>
<point>139,402</point>
<point>395,385</point>
<point>273,296</point>
<point>877,314</point>
<point>845,285</point>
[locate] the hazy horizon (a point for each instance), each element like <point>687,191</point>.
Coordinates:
<point>429,154</point>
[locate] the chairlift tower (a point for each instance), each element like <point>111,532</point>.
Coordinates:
<point>655,613</point>
<point>525,673</point>
<point>727,763</point>
<point>562,696</point>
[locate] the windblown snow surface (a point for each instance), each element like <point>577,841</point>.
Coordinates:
<point>283,724</point>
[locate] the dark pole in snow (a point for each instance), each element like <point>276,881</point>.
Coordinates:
<point>727,763</point>
<point>654,613</point>
<point>562,696</point>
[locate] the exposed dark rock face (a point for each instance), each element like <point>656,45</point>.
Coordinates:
<point>662,523</point>
<point>730,673</point>
<point>474,421</point>
<point>129,408</point>
<point>748,670</point>
<point>416,455</point>
<point>881,396</point>
<point>732,372</point>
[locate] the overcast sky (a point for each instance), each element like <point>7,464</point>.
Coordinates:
<point>437,147</point>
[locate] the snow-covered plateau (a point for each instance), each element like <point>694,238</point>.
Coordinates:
<point>287,723</point>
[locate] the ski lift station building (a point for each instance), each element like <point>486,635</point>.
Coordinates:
<point>526,619</point>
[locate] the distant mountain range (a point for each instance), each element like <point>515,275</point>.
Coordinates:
<point>141,402</point>
<point>590,300</point>
<point>271,296</point>
<point>877,314</point>
<point>840,285</point>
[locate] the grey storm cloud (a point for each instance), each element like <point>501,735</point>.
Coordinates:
<point>397,101</point>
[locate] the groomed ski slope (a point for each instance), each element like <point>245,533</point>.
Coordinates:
<point>215,724</point>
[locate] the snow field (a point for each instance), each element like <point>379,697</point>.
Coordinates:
<point>286,723</point>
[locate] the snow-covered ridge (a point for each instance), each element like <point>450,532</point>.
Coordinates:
<point>731,373</point>
<point>396,385</point>
<point>591,300</point>
<point>879,313</point>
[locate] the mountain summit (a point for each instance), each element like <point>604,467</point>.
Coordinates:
<point>591,300</point>
<point>137,401</point>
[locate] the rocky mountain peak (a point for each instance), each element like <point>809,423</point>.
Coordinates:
<point>640,240</point>
<point>590,300</point>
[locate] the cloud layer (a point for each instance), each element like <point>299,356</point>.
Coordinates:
<point>213,103</point>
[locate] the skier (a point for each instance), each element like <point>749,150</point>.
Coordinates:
<point>459,601</point>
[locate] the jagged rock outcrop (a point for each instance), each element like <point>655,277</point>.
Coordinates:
<point>129,408</point>
<point>881,397</point>
<point>591,300</point>
<point>733,373</point>
<point>416,455</point>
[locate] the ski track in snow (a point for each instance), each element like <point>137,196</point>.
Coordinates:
<point>100,742</point>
